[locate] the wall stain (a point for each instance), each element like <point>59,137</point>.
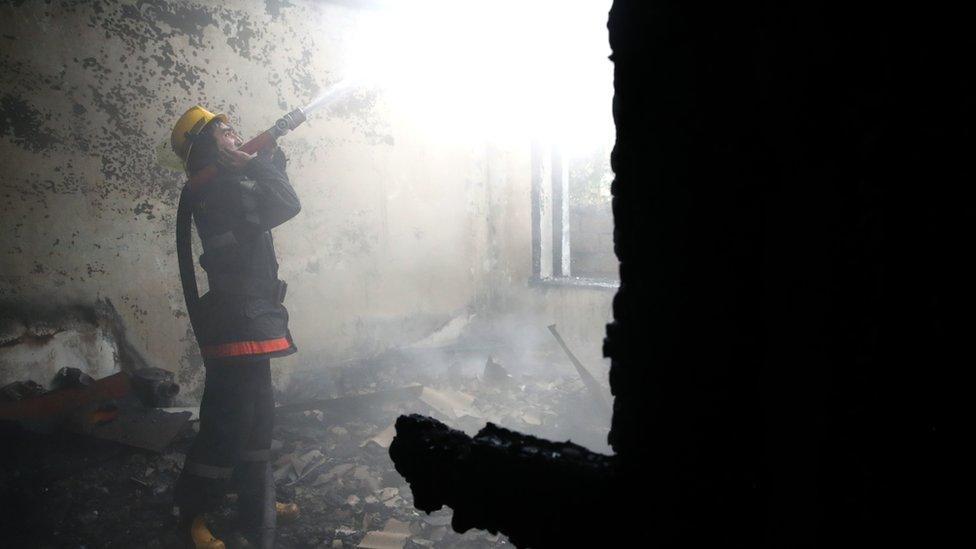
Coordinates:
<point>273,7</point>
<point>240,41</point>
<point>25,125</point>
<point>145,209</point>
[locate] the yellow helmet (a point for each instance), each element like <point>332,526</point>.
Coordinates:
<point>188,127</point>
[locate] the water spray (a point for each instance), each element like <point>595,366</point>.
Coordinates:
<point>282,126</point>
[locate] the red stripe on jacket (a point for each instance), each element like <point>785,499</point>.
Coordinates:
<point>240,348</point>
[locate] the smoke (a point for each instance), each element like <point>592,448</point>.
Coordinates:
<point>412,259</point>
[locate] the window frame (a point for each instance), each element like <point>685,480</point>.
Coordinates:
<point>551,234</point>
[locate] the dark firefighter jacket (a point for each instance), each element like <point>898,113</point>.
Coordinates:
<point>242,316</point>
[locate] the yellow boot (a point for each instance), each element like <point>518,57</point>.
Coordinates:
<point>201,536</point>
<point>286,512</point>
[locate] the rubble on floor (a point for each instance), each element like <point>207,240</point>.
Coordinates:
<point>334,427</point>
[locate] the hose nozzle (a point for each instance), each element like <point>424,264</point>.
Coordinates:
<point>289,122</point>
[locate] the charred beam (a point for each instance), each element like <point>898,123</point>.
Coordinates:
<point>507,482</point>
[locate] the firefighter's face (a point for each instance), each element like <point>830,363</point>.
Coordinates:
<point>226,137</point>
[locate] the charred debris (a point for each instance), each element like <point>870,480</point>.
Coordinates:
<point>97,459</point>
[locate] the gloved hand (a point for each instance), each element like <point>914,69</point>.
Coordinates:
<point>234,160</point>
<point>278,159</point>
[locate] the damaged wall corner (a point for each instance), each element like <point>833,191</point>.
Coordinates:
<point>39,340</point>
<point>785,220</point>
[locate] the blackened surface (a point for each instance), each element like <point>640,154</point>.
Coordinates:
<point>501,480</point>
<point>781,218</point>
<point>791,285</point>
<point>25,124</point>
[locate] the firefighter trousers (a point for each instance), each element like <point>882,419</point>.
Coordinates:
<point>233,446</point>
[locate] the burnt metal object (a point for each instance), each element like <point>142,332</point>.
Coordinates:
<point>503,481</point>
<point>19,390</point>
<point>132,425</point>
<point>592,385</point>
<point>71,377</point>
<point>155,387</point>
<point>58,403</point>
<point>496,374</point>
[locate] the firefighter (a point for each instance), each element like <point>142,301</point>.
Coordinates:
<point>240,324</point>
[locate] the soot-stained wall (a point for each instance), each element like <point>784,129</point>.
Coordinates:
<point>400,231</point>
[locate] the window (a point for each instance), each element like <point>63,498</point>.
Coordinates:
<point>572,221</point>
